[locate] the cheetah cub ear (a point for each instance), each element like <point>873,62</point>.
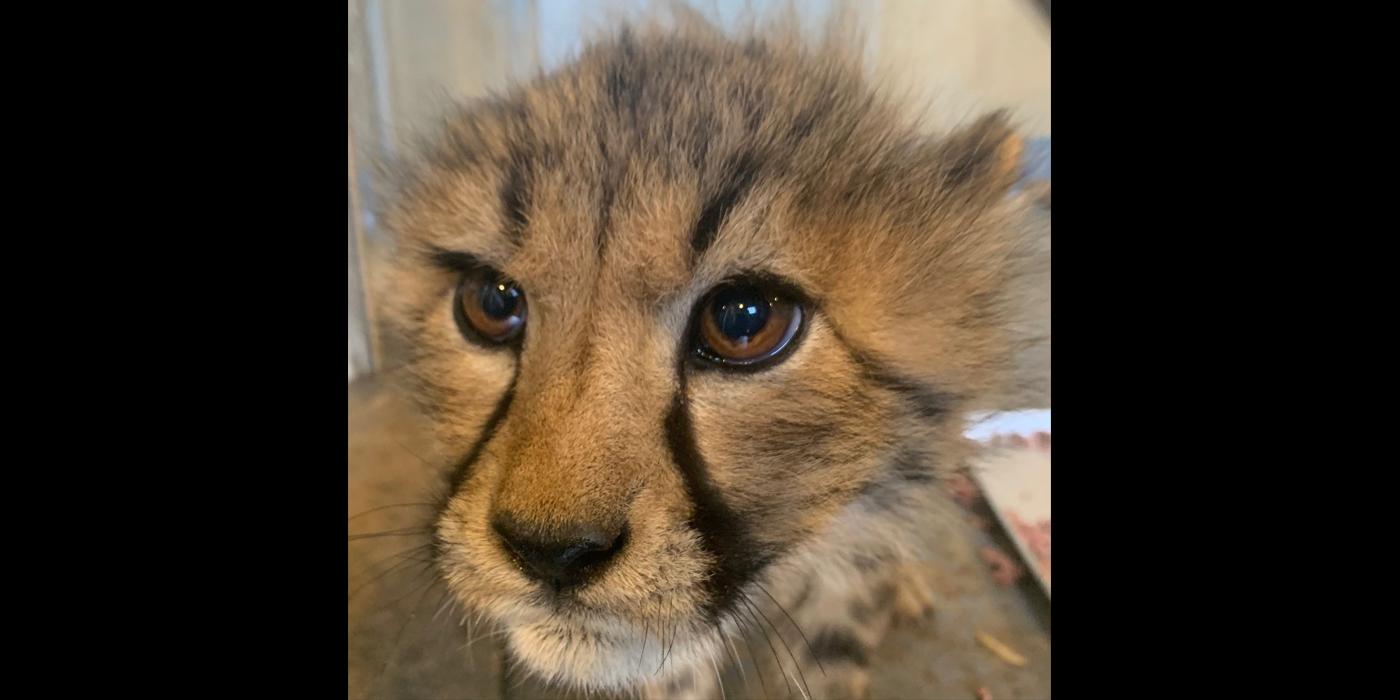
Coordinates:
<point>983,157</point>
<point>990,155</point>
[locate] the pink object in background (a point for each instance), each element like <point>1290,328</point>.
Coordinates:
<point>1013,476</point>
<point>1042,440</point>
<point>1037,539</point>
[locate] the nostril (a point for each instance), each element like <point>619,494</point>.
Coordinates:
<point>594,549</point>
<point>513,538</point>
<point>559,557</point>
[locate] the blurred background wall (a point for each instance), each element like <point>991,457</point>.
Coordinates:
<point>407,58</point>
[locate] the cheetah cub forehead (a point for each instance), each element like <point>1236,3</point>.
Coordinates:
<point>701,317</point>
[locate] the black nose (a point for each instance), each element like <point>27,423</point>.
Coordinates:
<point>562,558</point>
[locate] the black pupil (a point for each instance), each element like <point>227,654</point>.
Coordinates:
<point>500,300</point>
<point>740,312</point>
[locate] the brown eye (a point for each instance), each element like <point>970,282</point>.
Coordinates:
<point>489,307</point>
<point>746,324</point>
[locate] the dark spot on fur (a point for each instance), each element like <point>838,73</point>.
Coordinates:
<point>928,402</point>
<point>513,195</point>
<point>799,436</point>
<point>607,195</point>
<point>963,168</point>
<point>880,599</point>
<point>806,121</point>
<point>973,152</point>
<point>451,261</point>
<point>741,174</point>
<point>722,532</point>
<point>623,82</point>
<point>699,139</point>
<point>891,494</point>
<point>838,645</point>
<point>913,466</point>
<point>463,468</point>
<point>459,474</point>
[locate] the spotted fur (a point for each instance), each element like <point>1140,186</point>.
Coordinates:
<point>782,506</point>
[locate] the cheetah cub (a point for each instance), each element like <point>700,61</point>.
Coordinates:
<point>703,318</point>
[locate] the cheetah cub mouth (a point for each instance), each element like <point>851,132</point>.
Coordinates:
<point>702,318</point>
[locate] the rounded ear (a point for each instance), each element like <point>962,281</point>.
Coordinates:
<point>984,156</point>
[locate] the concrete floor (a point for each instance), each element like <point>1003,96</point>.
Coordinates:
<point>404,644</point>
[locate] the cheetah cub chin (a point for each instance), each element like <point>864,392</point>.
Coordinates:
<point>703,318</point>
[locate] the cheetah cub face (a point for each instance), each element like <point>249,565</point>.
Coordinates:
<point>701,318</point>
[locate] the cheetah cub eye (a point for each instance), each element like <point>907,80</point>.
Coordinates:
<point>747,324</point>
<point>490,308</point>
